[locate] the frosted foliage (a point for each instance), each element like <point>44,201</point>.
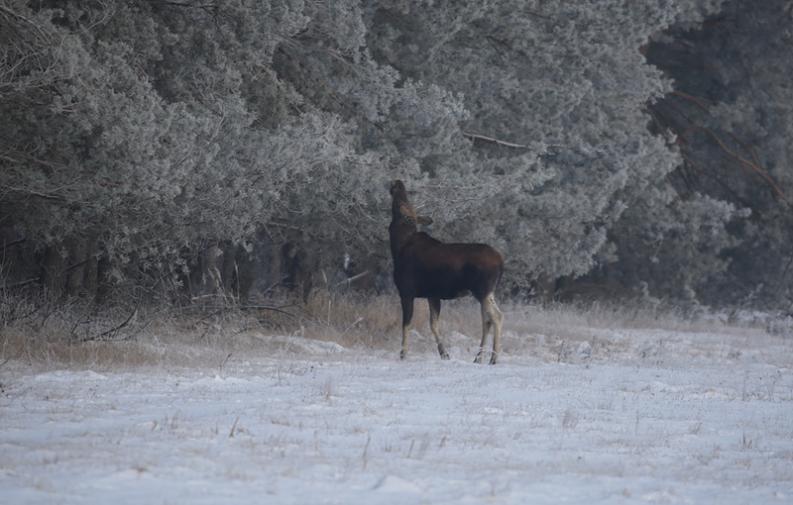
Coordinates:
<point>734,119</point>
<point>147,164</point>
<point>340,22</point>
<point>150,128</point>
<point>675,246</point>
<point>564,79</point>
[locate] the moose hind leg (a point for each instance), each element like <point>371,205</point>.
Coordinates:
<point>498,318</point>
<point>407,316</point>
<point>435,313</point>
<point>487,322</point>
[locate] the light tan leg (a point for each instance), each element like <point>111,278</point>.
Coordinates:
<point>435,312</point>
<point>407,316</point>
<point>405,331</point>
<point>498,318</point>
<point>487,322</point>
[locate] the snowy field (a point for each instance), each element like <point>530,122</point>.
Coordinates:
<point>584,416</point>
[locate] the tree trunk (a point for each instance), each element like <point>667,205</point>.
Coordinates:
<point>76,269</point>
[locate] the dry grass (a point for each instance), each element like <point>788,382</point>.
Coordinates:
<point>375,321</point>
<point>42,333</point>
<point>75,333</point>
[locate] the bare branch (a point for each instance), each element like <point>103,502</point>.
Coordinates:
<point>476,136</point>
<point>762,172</point>
<point>699,102</point>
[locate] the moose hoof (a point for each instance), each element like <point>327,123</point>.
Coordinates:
<point>478,359</point>
<point>442,352</point>
<point>402,354</point>
<point>493,359</point>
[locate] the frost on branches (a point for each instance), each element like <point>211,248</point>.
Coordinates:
<point>138,133</point>
<point>731,113</point>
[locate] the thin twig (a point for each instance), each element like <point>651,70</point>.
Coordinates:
<point>21,283</point>
<point>7,12</point>
<point>267,307</point>
<point>234,427</point>
<point>352,279</point>
<point>13,243</point>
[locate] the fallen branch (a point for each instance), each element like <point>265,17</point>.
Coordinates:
<point>219,309</point>
<point>114,330</point>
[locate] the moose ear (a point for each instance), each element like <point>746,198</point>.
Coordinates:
<point>424,220</point>
<point>407,211</point>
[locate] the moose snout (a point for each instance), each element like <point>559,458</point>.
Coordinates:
<point>396,186</point>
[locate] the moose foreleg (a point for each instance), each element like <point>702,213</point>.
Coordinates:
<point>407,316</point>
<point>435,313</point>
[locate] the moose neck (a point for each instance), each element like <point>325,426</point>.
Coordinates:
<point>402,227</point>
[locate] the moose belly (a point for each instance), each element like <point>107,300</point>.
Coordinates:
<point>453,295</point>
<point>443,287</point>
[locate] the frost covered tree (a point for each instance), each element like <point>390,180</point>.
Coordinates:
<point>557,135</point>
<point>141,133</point>
<point>731,112</point>
<point>146,129</point>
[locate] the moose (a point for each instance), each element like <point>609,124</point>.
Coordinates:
<point>428,268</point>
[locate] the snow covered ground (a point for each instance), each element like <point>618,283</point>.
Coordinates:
<point>602,416</point>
